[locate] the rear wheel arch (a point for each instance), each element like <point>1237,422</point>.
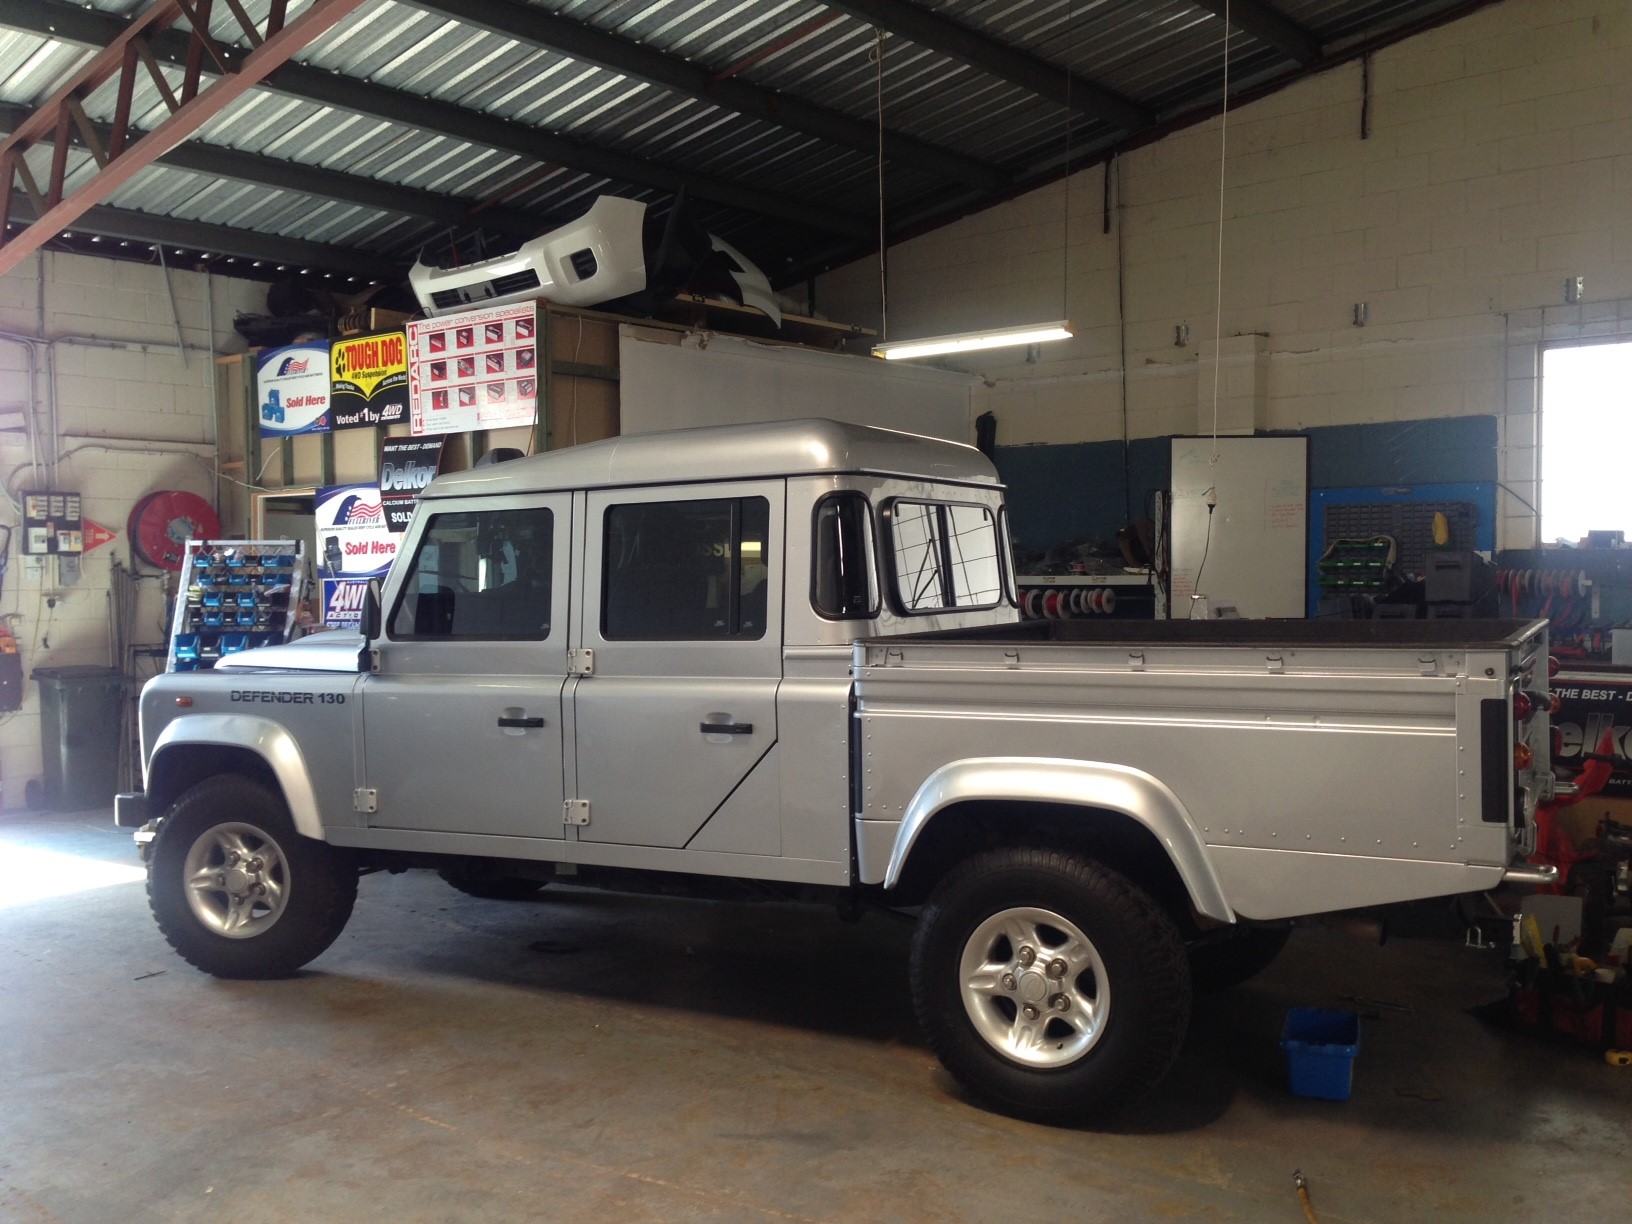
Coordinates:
<point>1124,817</point>
<point>962,830</point>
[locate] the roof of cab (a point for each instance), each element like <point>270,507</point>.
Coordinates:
<point>726,452</point>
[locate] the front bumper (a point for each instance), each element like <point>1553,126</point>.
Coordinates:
<point>130,809</point>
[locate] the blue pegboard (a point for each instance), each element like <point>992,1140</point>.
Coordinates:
<point>1481,493</point>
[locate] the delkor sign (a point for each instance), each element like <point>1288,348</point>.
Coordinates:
<point>369,380</point>
<point>292,385</point>
<point>407,465</point>
<point>1590,704</point>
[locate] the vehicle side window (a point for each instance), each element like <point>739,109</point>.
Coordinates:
<point>844,568</point>
<point>479,576</point>
<point>943,556</point>
<point>686,570</point>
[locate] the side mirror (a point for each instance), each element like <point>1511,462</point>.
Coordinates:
<point>371,611</point>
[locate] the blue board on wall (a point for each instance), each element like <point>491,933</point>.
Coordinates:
<point>1482,493</point>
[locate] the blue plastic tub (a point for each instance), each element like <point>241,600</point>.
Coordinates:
<point>1320,1045</point>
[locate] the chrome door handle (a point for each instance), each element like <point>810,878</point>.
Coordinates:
<point>708,728</point>
<point>521,722</point>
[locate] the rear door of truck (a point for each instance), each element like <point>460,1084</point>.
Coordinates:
<point>682,606</point>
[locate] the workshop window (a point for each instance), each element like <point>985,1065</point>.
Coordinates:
<point>943,556</point>
<point>1586,434</point>
<point>844,568</point>
<point>479,576</point>
<point>686,570</point>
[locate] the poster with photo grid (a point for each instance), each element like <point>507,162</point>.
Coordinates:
<point>474,370</point>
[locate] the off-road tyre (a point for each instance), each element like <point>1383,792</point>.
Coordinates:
<point>1244,953</point>
<point>319,882</point>
<point>1145,971</point>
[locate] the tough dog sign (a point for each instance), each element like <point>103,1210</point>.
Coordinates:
<point>368,377</point>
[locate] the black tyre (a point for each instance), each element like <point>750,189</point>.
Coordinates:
<point>1048,984</point>
<point>236,891</point>
<point>1225,961</point>
<point>474,882</point>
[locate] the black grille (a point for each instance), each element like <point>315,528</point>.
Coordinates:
<point>583,263</point>
<point>516,282</point>
<point>444,298</point>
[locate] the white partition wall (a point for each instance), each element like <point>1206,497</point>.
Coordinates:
<point>1255,544</point>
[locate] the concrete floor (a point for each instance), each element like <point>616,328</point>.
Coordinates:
<point>593,1057</point>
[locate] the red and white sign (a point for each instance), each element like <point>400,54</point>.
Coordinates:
<point>473,370</point>
<point>95,535</point>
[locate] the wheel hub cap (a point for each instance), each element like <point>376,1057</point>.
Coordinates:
<point>1034,987</point>
<point>237,880</point>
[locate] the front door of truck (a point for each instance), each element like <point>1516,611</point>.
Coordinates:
<point>462,723</point>
<point>682,606</point>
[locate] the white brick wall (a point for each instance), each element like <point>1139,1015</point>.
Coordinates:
<point>131,418</point>
<point>1499,162</point>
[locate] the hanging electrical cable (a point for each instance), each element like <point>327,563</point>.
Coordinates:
<point>1218,296</point>
<point>883,250</point>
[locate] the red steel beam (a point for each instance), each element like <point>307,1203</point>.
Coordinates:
<point>255,67</point>
<point>101,66</point>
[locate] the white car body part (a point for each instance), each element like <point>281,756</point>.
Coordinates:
<point>596,258</point>
<point>753,284</point>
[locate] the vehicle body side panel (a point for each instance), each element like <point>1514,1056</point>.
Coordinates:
<point>601,854</point>
<point>1354,755</point>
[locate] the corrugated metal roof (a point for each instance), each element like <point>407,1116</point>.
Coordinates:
<point>1164,55</point>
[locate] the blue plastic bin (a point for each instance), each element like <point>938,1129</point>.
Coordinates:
<point>1320,1045</point>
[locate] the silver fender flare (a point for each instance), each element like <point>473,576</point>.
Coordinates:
<point>1087,784</point>
<point>267,740</point>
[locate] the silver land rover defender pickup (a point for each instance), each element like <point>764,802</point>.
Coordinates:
<point>789,654</point>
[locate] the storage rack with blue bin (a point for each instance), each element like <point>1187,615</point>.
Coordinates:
<point>235,595</point>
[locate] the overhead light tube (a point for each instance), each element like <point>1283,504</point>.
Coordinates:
<point>968,342</point>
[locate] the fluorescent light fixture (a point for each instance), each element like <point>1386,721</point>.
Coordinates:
<point>967,342</point>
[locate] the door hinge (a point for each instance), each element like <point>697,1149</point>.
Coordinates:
<point>365,799</point>
<point>577,812</point>
<point>580,662</point>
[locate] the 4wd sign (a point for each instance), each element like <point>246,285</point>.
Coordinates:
<point>368,378</point>
<point>353,546</point>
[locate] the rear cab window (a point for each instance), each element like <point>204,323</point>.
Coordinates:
<point>942,556</point>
